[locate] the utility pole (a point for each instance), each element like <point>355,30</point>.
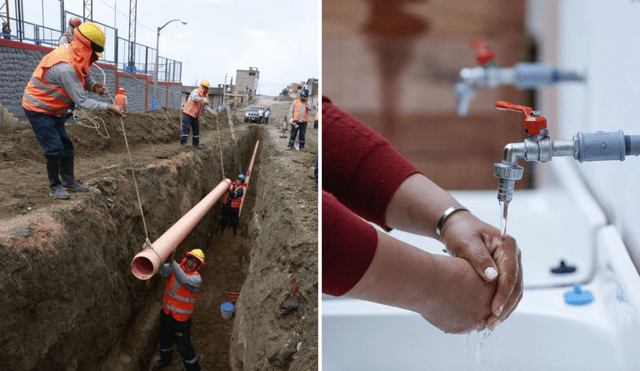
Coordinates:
<point>88,8</point>
<point>224,88</point>
<point>133,16</point>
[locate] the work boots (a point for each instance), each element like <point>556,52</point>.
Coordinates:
<point>165,360</point>
<point>68,180</point>
<point>195,366</point>
<point>55,186</point>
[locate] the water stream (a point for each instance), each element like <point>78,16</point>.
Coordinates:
<point>504,211</point>
<point>486,356</point>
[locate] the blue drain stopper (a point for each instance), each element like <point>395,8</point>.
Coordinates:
<point>577,296</point>
<point>226,307</point>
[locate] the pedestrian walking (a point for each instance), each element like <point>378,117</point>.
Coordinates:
<point>198,100</point>
<point>178,304</point>
<point>63,77</point>
<point>299,116</point>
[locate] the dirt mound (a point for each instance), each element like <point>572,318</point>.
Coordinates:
<point>71,302</point>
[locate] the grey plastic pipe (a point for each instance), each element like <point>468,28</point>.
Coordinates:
<point>146,263</point>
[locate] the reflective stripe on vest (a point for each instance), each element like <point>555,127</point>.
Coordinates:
<point>120,98</point>
<point>178,300</point>
<point>40,96</point>
<point>193,108</point>
<point>235,202</point>
<point>297,107</point>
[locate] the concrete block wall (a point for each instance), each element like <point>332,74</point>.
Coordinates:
<point>136,88</point>
<point>16,67</point>
<point>19,60</point>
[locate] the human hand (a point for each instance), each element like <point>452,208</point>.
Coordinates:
<point>445,290</point>
<point>100,89</point>
<point>115,109</point>
<point>461,301</point>
<point>482,246</point>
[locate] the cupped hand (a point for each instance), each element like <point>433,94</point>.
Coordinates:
<point>461,302</point>
<point>481,244</point>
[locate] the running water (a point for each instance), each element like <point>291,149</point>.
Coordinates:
<point>487,356</point>
<point>504,211</point>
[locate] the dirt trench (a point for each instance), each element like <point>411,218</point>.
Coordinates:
<point>70,300</point>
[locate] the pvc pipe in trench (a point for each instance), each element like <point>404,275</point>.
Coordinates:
<point>248,176</point>
<point>147,262</point>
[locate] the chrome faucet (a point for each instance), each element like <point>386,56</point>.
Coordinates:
<point>539,147</point>
<point>488,75</point>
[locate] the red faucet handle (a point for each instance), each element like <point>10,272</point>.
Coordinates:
<point>532,125</point>
<point>483,55</point>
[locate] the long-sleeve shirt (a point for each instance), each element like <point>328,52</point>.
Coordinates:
<point>195,96</point>
<point>65,76</point>
<point>361,172</point>
<point>191,283</point>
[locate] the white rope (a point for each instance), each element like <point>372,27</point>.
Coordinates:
<point>126,142</point>
<point>96,121</point>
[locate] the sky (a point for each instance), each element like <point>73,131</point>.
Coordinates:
<point>279,37</point>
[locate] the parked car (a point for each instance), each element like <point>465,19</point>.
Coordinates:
<point>254,114</point>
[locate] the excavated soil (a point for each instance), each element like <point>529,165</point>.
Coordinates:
<point>70,300</point>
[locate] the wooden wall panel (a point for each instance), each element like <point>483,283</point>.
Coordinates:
<point>396,72</point>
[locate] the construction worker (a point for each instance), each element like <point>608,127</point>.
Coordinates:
<point>231,205</point>
<point>67,36</point>
<point>191,114</point>
<point>298,118</point>
<point>121,99</point>
<point>60,79</point>
<point>6,30</point>
<point>177,306</point>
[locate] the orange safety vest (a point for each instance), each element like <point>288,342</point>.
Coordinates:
<point>40,96</point>
<point>235,202</point>
<point>120,100</point>
<point>297,107</point>
<point>178,300</point>
<point>192,108</point>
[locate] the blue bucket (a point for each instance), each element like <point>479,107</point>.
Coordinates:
<point>227,310</point>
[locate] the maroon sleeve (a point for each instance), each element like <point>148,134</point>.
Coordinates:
<point>359,167</point>
<point>360,174</point>
<point>348,246</point>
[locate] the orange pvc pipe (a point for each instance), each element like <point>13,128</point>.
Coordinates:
<point>146,263</point>
<point>248,176</point>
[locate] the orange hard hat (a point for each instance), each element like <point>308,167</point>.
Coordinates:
<point>122,90</point>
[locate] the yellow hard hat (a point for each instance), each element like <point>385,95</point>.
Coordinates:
<point>122,90</point>
<point>205,83</point>
<point>94,34</point>
<point>198,254</point>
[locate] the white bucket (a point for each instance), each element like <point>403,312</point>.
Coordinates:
<point>227,310</point>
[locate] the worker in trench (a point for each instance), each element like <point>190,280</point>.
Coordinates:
<point>121,99</point>
<point>198,100</point>
<point>61,78</point>
<point>231,205</point>
<point>178,304</point>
